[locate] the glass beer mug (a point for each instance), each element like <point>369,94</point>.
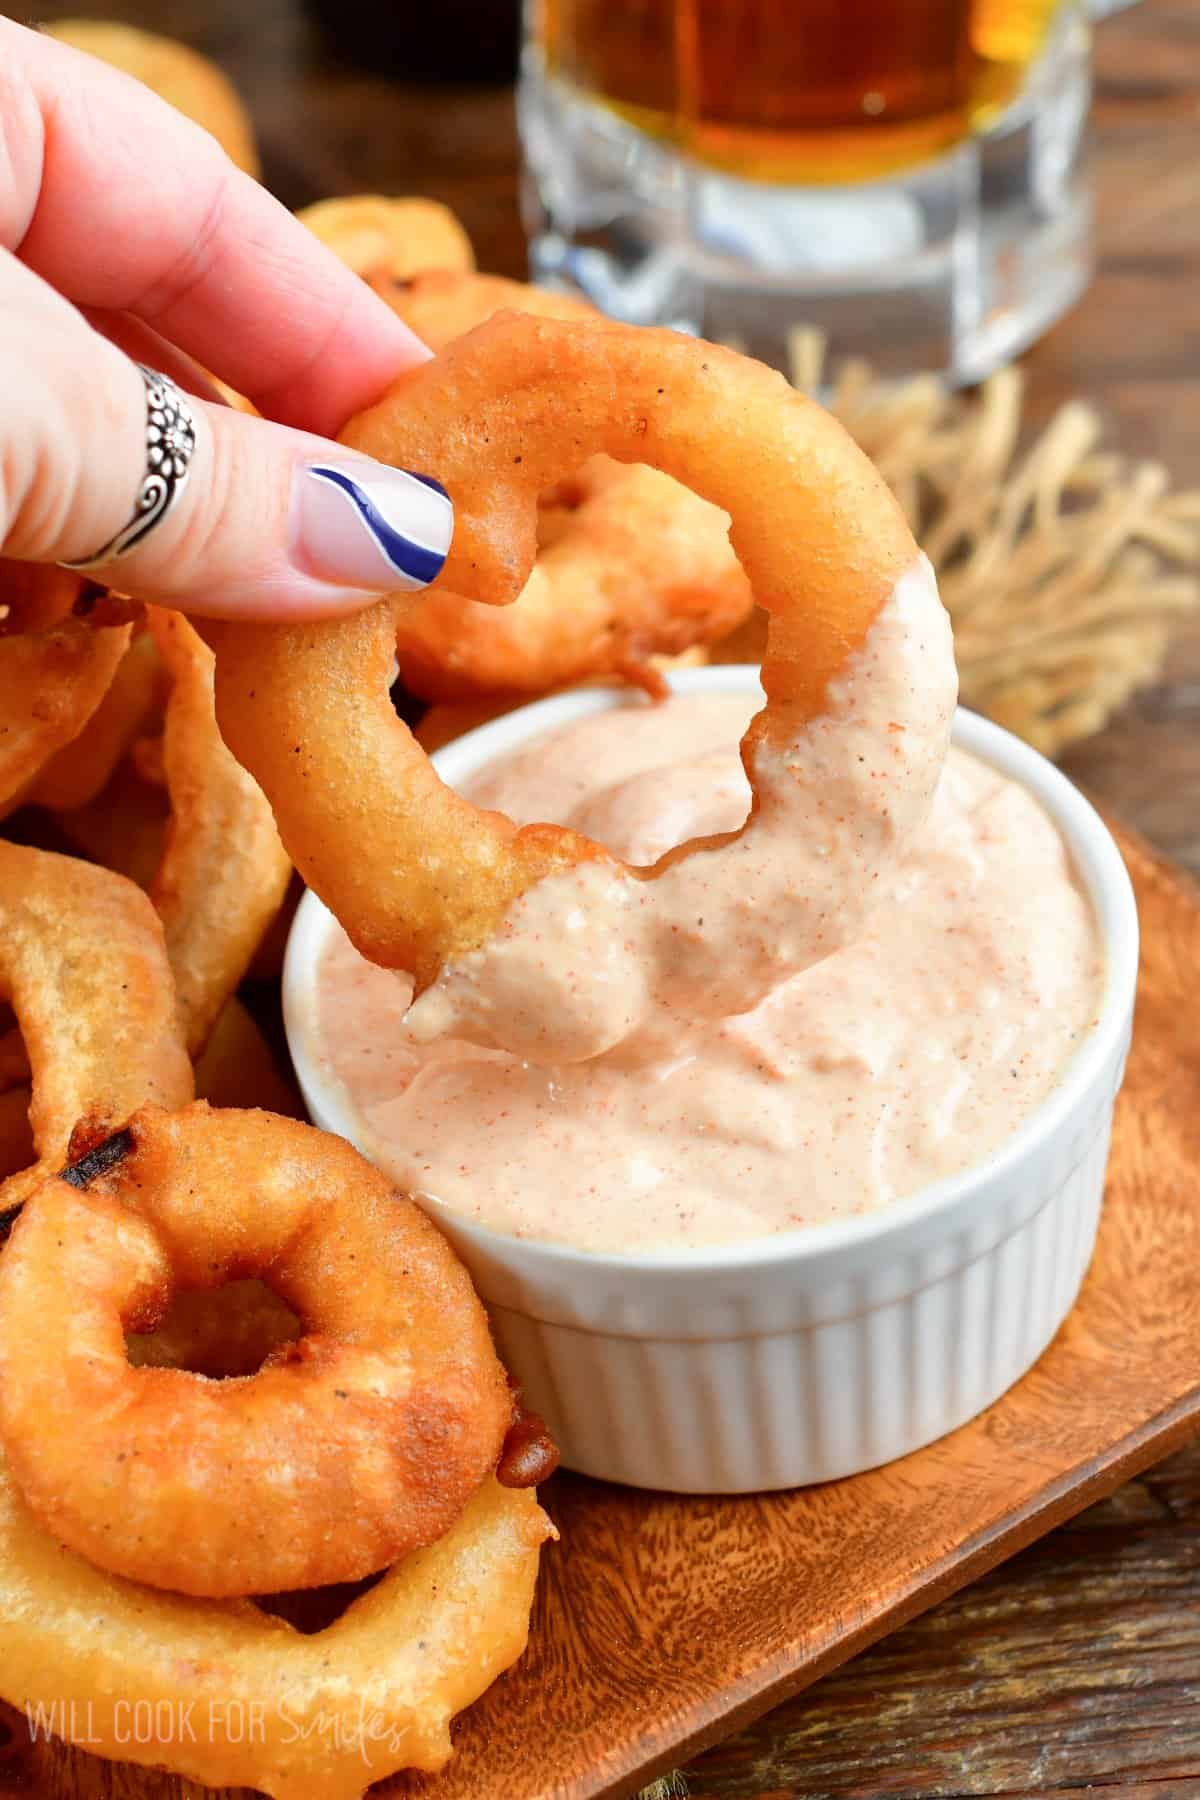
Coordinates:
<point>902,174</point>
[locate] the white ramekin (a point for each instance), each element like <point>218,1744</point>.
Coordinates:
<point>826,1350</point>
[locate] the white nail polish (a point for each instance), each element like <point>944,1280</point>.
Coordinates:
<point>364,525</point>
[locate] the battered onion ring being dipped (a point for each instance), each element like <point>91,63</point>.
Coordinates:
<point>630,564</point>
<point>360,1444</point>
<point>83,963</point>
<point>389,239</point>
<point>423,881</point>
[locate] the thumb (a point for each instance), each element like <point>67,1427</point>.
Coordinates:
<point>262,521</point>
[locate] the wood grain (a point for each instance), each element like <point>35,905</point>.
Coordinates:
<point>663,1623</point>
<point>1075,1664</point>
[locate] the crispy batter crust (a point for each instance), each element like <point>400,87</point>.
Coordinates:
<point>630,563</point>
<point>372,1693</point>
<point>82,768</point>
<point>51,683</point>
<point>223,872</point>
<point>416,874</point>
<point>350,1449</point>
<point>83,962</point>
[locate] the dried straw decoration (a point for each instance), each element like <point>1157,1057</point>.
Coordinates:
<point>1063,566</point>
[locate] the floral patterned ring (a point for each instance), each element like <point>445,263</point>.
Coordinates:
<point>170,443</point>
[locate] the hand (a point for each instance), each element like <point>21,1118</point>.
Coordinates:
<point>127,235</point>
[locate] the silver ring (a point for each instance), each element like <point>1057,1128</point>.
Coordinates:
<point>170,444</point>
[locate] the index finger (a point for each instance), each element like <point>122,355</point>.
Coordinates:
<point>123,204</point>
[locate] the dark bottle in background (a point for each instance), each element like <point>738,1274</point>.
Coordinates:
<point>439,40</point>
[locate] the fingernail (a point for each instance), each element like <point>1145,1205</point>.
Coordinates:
<point>364,525</point>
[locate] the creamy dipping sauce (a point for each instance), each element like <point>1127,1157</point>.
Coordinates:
<point>906,1055</point>
<point>595,958</point>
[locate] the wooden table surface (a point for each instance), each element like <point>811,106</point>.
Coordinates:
<point>1078,1664</point>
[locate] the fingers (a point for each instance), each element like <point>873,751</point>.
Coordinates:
<point>270,522</point>
<point>146,346</point>
<point>123,205</point>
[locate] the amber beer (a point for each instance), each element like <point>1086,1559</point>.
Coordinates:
<point>798,91</point>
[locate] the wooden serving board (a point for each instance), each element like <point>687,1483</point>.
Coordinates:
<point>662,1624</point>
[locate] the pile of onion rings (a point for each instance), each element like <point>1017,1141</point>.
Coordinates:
<point>266,1370</point>
<point>173,810</point>
<point>157,1208</point>
<point>442,303</point>
<point>123,828</point>
<point>373,1693</point>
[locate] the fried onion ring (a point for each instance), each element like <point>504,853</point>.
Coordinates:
<point>123,828</point>
<point>206,848</point>
<point>418,876</point>
<point>79,771</point>
<point>358,1445</point>
<point>441,304</point>
<point>51,683</point>
<point>630,563</point>
<point>237,1067</point>
<point>221,1333</point>
<point>35,596</point>
<point>83,963</point>
<point>371,1694</point>
<point>14,1064</point>
<point>223,873</point>
<point>389,240</point>
<point>16,1133</point>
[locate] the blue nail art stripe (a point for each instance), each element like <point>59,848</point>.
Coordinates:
<point>428,481</point>
<point>416,561</point>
